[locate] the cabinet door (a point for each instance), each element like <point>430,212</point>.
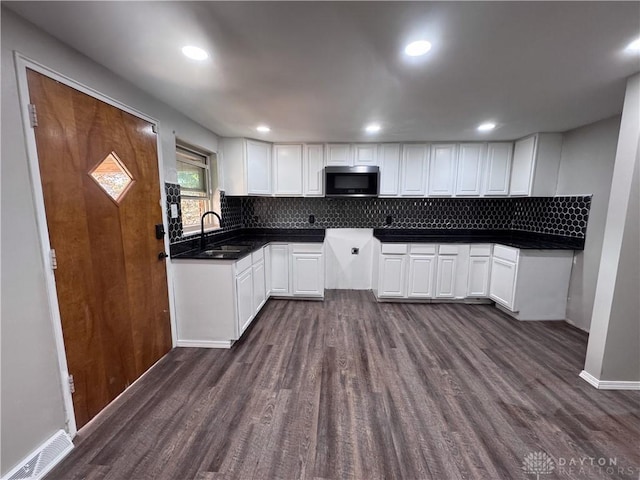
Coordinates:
<point>502,286</point>
<point>414,170</point>
<point>498,168</point>
<point>258,168</point>
<point>338,154</point>
<point>442,169</point>
<point>523,165</point>
<point>280,270</point>
<point>244,297</point>
<point>446,276</point>
<point>308,274</point>
<point>267,270</point>
<point>313,171</point>
<point>470,168</point>
<point>421,270</point>
<point>287,163</point>
<point>392,281</point>
<point>478,282</point>
<point>389,160</point>
<point>365,154</point>
<point>259,287</point>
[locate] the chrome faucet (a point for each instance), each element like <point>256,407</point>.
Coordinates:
<point>210,212</point>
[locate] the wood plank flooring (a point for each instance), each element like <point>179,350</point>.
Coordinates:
<point>350,388</point>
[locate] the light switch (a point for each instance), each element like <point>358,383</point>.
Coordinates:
<point>174,210</point>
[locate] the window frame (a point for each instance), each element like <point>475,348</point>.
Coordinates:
<point>211,222</point>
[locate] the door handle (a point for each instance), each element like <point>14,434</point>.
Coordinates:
<point>162,256</point>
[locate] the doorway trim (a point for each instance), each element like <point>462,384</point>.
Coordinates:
<point>22,63</point>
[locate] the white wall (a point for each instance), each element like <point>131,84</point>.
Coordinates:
<point>32,407</point>
<point>343,269</point>
<point>586,167</point>
<point>613,352</point>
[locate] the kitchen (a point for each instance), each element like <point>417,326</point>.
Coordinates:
<point>580,174</point>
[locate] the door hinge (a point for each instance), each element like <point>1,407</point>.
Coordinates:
<point>33,115</point>
<point>54,260</point>
<point>72,385</point>
<point>154,128</point>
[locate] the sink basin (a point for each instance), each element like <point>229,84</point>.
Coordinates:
<point>219,251</point>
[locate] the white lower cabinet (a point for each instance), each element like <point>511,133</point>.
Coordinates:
<point>308,274</point>
<point>503,282</point>
<point>244,299</point>
<point>446,278</point>
<point>280,270</point>
<point>297,270</point>
<point>479,270</point>
<point>392,275</point>
<point>217,300</point>
<point>421,276</point>
<point>531,284</point>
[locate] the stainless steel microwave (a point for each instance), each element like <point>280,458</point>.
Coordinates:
<point>359,181</point>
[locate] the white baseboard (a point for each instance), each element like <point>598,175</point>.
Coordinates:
<point>39,462</point>
<point>204,343</point>
<point>608,384</point>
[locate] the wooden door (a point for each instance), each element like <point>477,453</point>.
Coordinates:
<point>111,284</point>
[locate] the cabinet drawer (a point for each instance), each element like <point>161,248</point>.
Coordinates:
<point>257,255</point>
<point>506,253</point>
<point>423,248</point>
<point>448,250</point>
<point>480,250</point>
<point>243,264</point>
<point>395,248</point>
<point>306,248</point>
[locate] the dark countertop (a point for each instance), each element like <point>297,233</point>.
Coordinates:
<point>511,238</point>
<point>249,239</point>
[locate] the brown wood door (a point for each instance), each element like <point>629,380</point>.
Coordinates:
<point>99,171</point>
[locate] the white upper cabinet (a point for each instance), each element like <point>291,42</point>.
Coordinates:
<point>442,169</point>
<point>287,163</point>
<point>498,168</point>
<point>258,167</point>
<point>389,161</point>
<point>338,154</point>
<point>413,170</point>
<point>313,170</point>
<point>536,160</point>
<point>470,168</point>
<point>365,154</point>
<point>246,166</point>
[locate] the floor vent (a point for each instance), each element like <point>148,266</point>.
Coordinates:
<point>38,464</point>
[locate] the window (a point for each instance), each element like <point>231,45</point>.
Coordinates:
<point>197,177</point>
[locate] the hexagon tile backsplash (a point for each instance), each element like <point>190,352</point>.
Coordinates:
<point>566,216</point>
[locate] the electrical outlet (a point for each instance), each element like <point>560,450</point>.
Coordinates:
<point>355,251</point>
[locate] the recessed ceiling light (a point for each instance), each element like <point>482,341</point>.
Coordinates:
<point>263,128</point>
<point>372,128</point>
<point>415,49</point>
<point>486,127</point>
<point>194,53</point>
<point>633,47</point>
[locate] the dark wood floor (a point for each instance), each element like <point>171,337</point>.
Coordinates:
<point>349,388</point>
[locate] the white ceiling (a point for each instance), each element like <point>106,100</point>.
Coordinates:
<point>320,71</point>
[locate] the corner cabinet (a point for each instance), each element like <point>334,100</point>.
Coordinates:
<point>536,161</point>
<point>247,166</point>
